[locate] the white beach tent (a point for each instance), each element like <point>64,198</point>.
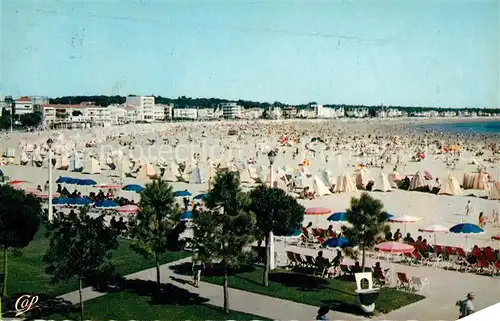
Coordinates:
<point>320,188</point>
<point>381,183</point>
<point>345,184</point>
<point>417,181</point>
<point>245,176</point>
<point>494,191</point>
<point>197,176</point>
<point>450,186</point>
<point>362,179</point>
<point>169,175</point>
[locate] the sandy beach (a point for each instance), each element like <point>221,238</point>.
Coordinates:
<point>379,143</point>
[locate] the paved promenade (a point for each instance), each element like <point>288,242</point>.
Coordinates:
<point>446,287</point>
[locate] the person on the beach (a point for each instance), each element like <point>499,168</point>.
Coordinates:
<point>468,208</point>
<point>322,312</point>
<point>197,268</point>
<point>495,217</point>
<point>482,219</point>
<point>465,306</point>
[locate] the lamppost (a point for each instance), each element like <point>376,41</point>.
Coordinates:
<point>270,245</point>
<point>51,213</point>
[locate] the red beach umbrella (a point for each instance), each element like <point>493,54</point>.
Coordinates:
<point>395,247</point>
<point>16,182</point>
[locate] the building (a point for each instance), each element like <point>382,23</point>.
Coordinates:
<point>185,113</point>
<point>289,112</point>
<point>306,113</point>
<point>24,105</point>
<point>389,113</point>
<point>231,110</point>
<point>144,105</point>
<point>275,113</point>
<point>84,115</point>
<point>358,112</point>
<point>329,112</point>
<point>162,112</point>
<point>206,113</point>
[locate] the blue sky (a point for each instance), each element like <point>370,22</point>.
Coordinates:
<point>391,53</point>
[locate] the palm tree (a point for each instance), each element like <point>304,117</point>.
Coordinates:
<point>368,220</point>
<point>150,228</point>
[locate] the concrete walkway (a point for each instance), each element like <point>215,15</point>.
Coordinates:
<point>242,301</point>
<point>446,287</point>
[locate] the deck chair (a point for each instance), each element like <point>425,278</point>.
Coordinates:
<point>462,262</point>
<point>292,261</point>
<point>310,261</point>
<point>300,260</point>
<point>345,269</point>
<point>419,258</point>
<point>481,265</point>
<point>417,284</point>
<point>403,281</point>
<point>321,267</point>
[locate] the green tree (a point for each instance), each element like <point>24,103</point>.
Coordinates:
<point>80,246</point>
<point>368,220</point>
<point>276,212</point>
<point>19,222</point>
<point>31,119</point>
<point>151,227</point>
<point>225,227</point>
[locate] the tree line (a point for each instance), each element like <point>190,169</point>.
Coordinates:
<point>184,102</point>
<point>228,223</point>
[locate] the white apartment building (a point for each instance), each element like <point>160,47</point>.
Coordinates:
<point>186,113</point>
<point>358,112</point>
<point>24,105</point>
<point>252,113</point>
<point>231,110</point>
<point>98,116</point>
<point>162,112</point>
<point>275,113</point>
<point>306,113</point>
<point>389,113</point>
<point>144,105</point>
<point>328,112</point>
<point>83,115</point>
<point>206,113</point>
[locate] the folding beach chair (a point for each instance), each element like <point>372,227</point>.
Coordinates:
<point>403,281</point>
<point>417,284</point>
<point>292,261</point>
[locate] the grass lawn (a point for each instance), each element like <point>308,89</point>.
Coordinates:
<point>26,273</point>
<point>137,301</point>
<point>338,294</point>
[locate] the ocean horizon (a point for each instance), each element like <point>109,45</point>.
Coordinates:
<point>472,127</point>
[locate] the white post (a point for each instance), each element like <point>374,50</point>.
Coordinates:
<point>51,214</point>
<point>272,261</point>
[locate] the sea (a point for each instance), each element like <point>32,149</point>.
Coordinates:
<point>473,127</point>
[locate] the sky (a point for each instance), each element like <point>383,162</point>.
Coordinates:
<point>425,53</point>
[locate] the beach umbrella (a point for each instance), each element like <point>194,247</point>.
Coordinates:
<point>63,179</point>
<point>395,247</point>
<point>127,209</point>
<point>466,228</point>
<point>318,211</point>
<point>73,181</point>
<point>338,217</point>
<point>86,182</point>
<point>388,216</point>
<point>32,191</point>
<point>133,188</point>
<point>17,182</point>
<point>435,229</point>
<point>46,195</point>
<point>81,201</point>
<point>62,201</point>
<point>106,204</point>
<point>181,194</point>
<point>187,215</point>
<point>200,196</point>
<point>404,219</point>
<point>336,242</point>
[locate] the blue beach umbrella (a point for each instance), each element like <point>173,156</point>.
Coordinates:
<point>336,242</point>
<point>388,216</point>
<point>181,194</point>
<point>466,228</point>
<point>106,204</point>
<point>187,215</point>
<point>62,201</point>
<point>81,201</point>
<point>200,196</point>
<point>63,180</point>
<point>133,188</point>
<point>73,181</point>
<point>86,182</point>
<point>338,217</point>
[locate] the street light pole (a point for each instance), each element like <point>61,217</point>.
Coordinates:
<point>270,245</point>
<point>51,212</point>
